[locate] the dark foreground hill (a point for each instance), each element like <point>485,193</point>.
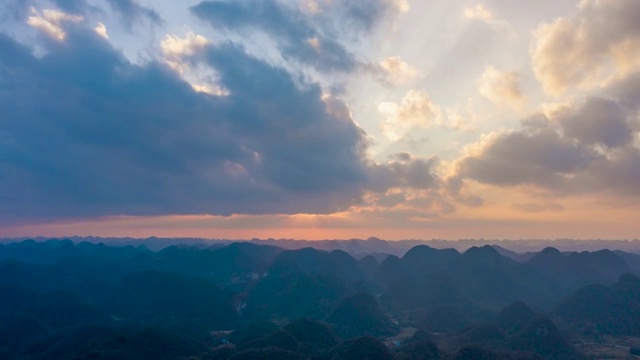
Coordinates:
<point>61,300</point>
<point>611,310</point>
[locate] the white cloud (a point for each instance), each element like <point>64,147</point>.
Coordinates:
<point>311,6</point>
<point>101,30</point>
<point>501,87</point>
<point>481,13</point>
<point>314,43</point>
<point>175,48</point>
<point>602,39</point>
<point>415,111</point>
<point>50,22</point>
<point>402,6</point>
<point>210,89</point>
<point>397,71</point>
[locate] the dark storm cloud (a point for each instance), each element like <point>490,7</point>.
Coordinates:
<point>84,132</point>
<point>131,12</point>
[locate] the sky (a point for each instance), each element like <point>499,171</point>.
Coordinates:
<point>320,119</point>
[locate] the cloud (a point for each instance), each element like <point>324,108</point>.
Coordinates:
<point>537,207</point>
<point>415,111</point>
<point>480,12</point>
<point>14,10</point>
<point>401,6</point>
<point>454,187</point>
<point>390,200</point>
<point>541,158</point>
<point>501,87</point>
<point>398,72</point>
<point>128,139</point>
<point>101,30</point>
<point>75,6</point>
<point>601,39</point>
<point>626,91</point>
<point>360,16</point>
<point>50,22</point>
<point>597,121</point>
<point>296,35</point>
<point>315,33</point>
<point>136,139</point>
<point>22,9</point>
<point>176,49</point>
<point>618,174</point>
<point>366,14</point>
<point>581,147</point>
<point>406,172</point>
<point>406,182</point>
<point>131,11</point>
<point>179,54</point>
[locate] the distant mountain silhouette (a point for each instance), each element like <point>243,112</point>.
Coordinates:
<point>50,251</point>
<point>493,280</point>
<point>313,262</point>
<point>508,253</point>
<point>422,260</point>
<point>369,264</point>
<point>549,258</point>
<point>236,262</point>
<point>578,269</point>
<point>632,259</point>
<point>390,270</point>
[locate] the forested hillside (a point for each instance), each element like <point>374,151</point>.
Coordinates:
<point>65,300</point>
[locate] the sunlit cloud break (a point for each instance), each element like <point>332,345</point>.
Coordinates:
<point>328,118</point>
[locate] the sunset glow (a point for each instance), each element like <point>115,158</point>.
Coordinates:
<point>320,119</point>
